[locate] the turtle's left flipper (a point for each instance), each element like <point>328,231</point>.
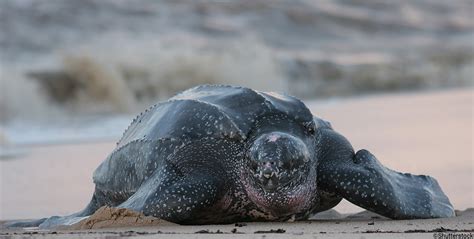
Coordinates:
<point>363,180</point>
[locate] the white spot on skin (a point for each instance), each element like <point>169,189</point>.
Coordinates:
<point>273,137</point>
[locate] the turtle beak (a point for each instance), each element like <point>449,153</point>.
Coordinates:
<point>268,173</point>
<point>269,177</point>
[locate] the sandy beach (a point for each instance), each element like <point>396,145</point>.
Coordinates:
<point>393,77</point>
<point>422,133</point>
<point>364,227</point>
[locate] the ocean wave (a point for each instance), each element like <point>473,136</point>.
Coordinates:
<point>66,59</point>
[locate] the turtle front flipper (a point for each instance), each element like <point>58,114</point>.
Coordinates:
<point>363,180</point>
<point>178,198</point>
<point>190,181</point>
<point>54,221</point>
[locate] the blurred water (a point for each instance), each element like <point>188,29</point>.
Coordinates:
<point>63,59</point>
<point>85,129</point>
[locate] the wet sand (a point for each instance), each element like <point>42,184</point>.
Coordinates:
<point>365,227</point>
<point>423,133</point>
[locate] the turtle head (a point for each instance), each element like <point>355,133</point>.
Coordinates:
<point>277,159</point>
<point>280,172</point>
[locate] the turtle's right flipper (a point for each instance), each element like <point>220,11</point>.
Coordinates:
<point>54,221</point>
<point>191,180</point>
<point>177,200</point>
<point>46,223</point>
<point>24,223</point>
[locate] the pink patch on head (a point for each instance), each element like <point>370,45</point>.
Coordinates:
<point>273,137</point>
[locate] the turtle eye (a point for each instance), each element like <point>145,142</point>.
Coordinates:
<point>292,163</point>
<point>311,127</point>
<point>253,164</point>
<point>287,164</point>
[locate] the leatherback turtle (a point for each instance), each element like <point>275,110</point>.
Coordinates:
<point>222,154</point>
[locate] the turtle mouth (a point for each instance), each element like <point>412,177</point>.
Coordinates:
<point>270,180</point>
